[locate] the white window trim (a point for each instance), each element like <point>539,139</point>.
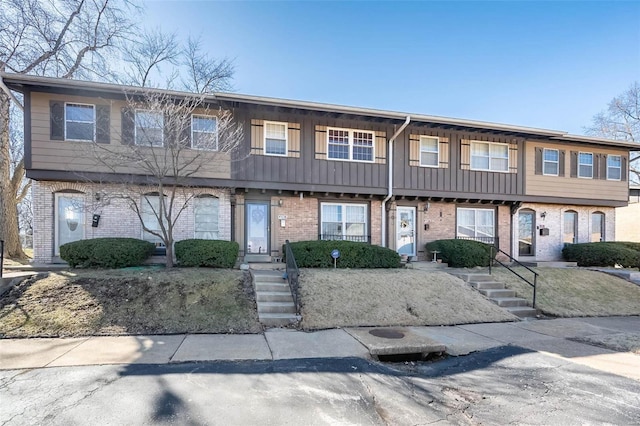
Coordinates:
<point>81,222</point>
<point>194,213</point>
<point>344,217</point>
<point>350,132</point>
<point>557,162</point>
<point>437,151</point>
<point>144,203</point>
<point>135,128</point>
<point>576,226</point>
<point>619,168</point>
<point>475,210</point>
<point>603,233</point>
<point>286,138</point>
<point>209,117</point>
<point>584,164</point>
<point>489,169</point>
<point>93,107</point>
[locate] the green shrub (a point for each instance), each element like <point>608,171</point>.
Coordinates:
<point>212,253</point>
<point>106,252</point>
<point>603,254</point>
<point>461,253</point>
<point>317,254</point>
<point>629,244</point>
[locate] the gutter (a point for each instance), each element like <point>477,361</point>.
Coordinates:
<point>10,94</point>
<point>390,187</point>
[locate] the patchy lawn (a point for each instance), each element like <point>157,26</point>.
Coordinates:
<point>571,292</point>
<point>621,342</point>
<point>391,297</point>
<point>130,301</point>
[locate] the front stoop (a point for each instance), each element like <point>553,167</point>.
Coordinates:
<point>499,294</point>
<point>273,299</point>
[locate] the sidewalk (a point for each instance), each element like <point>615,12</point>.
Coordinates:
<point>553,337</point>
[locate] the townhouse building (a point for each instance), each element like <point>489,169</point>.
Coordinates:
<point>306,171</point>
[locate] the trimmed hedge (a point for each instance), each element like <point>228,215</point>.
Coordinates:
<point>603,254</point>
<point>317,254</point>
<point>212,253</point>
<point>106,252</point>
<point>461,253</point>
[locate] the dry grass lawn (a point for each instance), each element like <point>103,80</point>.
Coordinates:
<point>621,342</point>
<point>133,301</point>
<point>571,292</point>
<point>401,297</point>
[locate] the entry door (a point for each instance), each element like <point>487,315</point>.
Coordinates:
<point>69,226</point>
<point>257,227</point>
<point>406,231</point>
<point>526,233</point>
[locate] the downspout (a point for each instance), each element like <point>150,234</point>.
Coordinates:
<point>390,187</point>
<point>10,94</point>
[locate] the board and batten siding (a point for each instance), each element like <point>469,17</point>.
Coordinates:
<point>451,176</point>
<point>61,155</point>
<point>572,187</point>
<point>311,168</point>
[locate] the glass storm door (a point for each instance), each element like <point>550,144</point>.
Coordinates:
<point>405,231</point>
<point>69,219</point>
<point>526,233</point>
<point>257,227</point>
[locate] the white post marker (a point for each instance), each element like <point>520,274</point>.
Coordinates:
<point>335,253</point>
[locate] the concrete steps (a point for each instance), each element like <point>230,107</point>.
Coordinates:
<point>273,299</point>
<point>499,294</point>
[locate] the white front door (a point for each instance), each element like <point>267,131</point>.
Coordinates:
<point>69,219</point>
<point>406,231</point>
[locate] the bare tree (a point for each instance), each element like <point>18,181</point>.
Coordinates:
<point>159,162</point>
<point>61,38</point>
<point>621,120</point>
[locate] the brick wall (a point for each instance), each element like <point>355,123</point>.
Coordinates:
<point>116,217</point>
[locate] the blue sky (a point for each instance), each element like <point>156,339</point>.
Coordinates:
<point>541,64</point>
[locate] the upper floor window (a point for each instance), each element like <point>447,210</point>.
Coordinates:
<point>206,217</point>
<point>429,153</point>
<point>614,167</point>
<point>348,144</point>
<point>204,132</point>
<point>585,164</point>
<point>80,122</point>
<point>550,160</point>
<point>344,222</point>
<point>149,128</point>
<point>490,156</point>
<point>275,138</point>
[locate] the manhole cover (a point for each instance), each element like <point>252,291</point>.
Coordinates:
<point>386,333</point>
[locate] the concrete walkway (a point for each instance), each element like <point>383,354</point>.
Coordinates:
<point>571,339</point>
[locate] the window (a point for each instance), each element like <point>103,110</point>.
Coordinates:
<point>149,128</point>
<point>345,144</point>
<point>476,224</point>
<point>204,132</point>
<point>206,217</point>
<point>275,138</point>
<point>429,151</point>
<point>344,222</point>
<point>80,122</point>
<point>550,161</point>
<point>488,156</point>
<point>585,165</point>
<point>597,227</point>
<point>614,167</point>
<point>149,212</point>
<point>570,227</point>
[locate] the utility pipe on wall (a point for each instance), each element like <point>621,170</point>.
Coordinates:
<point>390,188</point>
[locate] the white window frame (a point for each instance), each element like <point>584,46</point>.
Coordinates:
<point>490,157</point>
<point>206,196</point>
<point>350,133</point>
<point>585,164</point>
<point>475,221</point>
<point>207,117</point>
<point>612,167</point>
<point>575,229</point>
<point>286,137</point>
<point>93,107</point>
<point>365,236</point>
<point>603,225</point>
<point>144,205</point>
<point>135,128</point>
<point>437,151</point>
<point>544,161</point>
<point>81,222</point>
